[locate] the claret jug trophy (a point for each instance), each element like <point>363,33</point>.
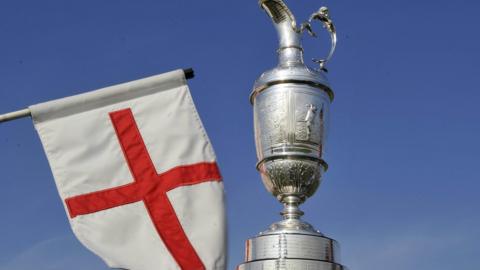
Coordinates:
<point>291,110</point>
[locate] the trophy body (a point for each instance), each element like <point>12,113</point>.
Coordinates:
<point>290,123</point>
<point>291,111</point>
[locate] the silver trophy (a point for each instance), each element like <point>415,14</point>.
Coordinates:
<point>291,110</point>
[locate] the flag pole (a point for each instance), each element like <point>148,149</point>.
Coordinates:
<point>14,115</point>
<point>189,74</point>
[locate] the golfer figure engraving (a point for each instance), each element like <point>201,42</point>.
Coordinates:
<point>310,118</point>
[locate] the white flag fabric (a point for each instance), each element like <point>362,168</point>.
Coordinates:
<point>137,174</point>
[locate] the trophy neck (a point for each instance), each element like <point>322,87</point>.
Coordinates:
<point>290,49</point>
<point>290,56</point>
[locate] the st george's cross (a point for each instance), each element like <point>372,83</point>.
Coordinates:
<point>137,175</point>
<point>149,187</point>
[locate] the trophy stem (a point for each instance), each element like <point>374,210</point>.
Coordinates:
<point>291,208</point>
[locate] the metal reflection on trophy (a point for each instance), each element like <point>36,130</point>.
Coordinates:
<point>291,111</point>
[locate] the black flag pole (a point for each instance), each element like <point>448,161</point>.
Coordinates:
<point>189,74</point>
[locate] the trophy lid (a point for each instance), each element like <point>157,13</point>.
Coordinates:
<point>297,74</point>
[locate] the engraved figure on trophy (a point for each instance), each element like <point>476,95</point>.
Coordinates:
<point>304,127</point>
<point>309,118</point>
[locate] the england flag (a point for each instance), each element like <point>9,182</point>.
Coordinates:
<point>137,174</point>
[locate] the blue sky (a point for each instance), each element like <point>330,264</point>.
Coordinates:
<point>403,186</point>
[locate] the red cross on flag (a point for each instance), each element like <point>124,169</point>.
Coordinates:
<point>137,174</point>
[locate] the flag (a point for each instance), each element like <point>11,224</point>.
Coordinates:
<point>137,174</point>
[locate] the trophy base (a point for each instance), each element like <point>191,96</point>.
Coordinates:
<point>291,244</point>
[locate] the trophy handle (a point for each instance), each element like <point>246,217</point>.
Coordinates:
<point>323,16</point>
